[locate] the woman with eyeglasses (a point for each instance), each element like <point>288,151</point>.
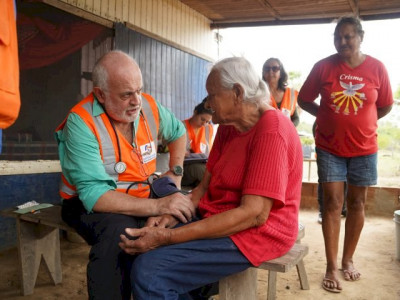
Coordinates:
<point>282,97</point>
<point>199,138</point>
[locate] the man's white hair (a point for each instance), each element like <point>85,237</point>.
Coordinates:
<point>100,72</point>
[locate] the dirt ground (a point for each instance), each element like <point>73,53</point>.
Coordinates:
<point>375,258</point>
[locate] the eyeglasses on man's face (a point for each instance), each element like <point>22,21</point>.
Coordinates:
<point>273,68</point>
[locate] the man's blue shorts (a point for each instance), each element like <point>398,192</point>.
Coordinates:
<point>358,170</point>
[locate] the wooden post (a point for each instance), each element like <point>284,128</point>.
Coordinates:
<point>239,286</point>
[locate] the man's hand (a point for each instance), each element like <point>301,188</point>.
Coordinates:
<point>147,238</point>
<point>178,205</point>
<point>164,221</point>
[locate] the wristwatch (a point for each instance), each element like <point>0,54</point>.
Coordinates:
<point>177,170</point>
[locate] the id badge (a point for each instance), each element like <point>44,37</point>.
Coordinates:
<point>148,152</point>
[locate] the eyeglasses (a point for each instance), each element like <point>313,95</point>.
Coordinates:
<point>274,69</point>
<point>138,158</point>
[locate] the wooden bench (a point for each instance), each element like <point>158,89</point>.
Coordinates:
<point>243,285</point>
<point>37,237</point>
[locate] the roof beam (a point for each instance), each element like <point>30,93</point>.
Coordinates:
<point>256,23</point>
<point>354,7</point>
<point>79,12</point>
<point>270,8</point>
<point>305,20</point>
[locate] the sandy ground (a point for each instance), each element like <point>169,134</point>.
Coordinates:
<point>375,258</point>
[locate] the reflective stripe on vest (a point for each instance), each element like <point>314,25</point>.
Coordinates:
<point>109,159</point>
<point>151,122</point>
<point>207,133</point>
<point>292,102</point>
<point>188,139</point>
<point>66,190</point>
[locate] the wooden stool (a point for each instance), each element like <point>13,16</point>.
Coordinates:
<point>243,285</point>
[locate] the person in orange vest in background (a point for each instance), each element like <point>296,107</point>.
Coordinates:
<point>282,97</point>
<point>9,80</point>
<point>199,139</point>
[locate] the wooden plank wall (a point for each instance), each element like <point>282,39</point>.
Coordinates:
<point>173,77</point>
<point>169,19</point>
<point>90,53</point>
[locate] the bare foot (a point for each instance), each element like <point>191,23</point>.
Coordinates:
<point>331,282</point>
<point>350,273</point>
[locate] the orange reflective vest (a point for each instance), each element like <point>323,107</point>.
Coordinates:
<point>289,102</point>
<point>200,142</point>
<point>140,160</point>
<point>9,80</point>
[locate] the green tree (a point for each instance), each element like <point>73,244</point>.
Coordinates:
<point>305,140</point>
<point>383,141</point>
<point>397,93</point>
<point>304,127</point>
<point>295,79</point>
<point>388,136</point>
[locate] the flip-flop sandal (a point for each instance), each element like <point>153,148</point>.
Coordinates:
<point>329,289</point>
<point>348,275</point>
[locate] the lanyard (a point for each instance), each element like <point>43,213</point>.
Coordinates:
<point>120,166</point>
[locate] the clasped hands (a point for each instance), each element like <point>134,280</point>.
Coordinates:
<point>157,231</point>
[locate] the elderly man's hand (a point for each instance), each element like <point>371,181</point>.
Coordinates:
<point>164,221</point>
<point>147,238</point>
<point>178,205</point>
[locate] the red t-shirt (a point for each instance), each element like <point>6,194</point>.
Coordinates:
<point>347,117</point>
<point>266,161</point>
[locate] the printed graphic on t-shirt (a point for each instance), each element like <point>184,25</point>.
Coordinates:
<point>348,100</point>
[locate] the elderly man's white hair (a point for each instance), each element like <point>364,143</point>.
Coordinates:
<point>100,73</point>
<point>238,70</point>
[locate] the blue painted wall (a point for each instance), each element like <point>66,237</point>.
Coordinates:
<point>173,77</point>
<point>18,189</point>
